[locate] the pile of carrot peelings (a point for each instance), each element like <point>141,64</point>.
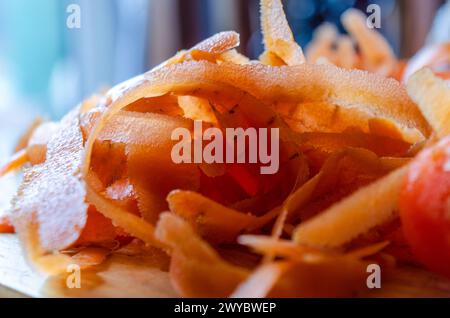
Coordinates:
<point>103,177</point>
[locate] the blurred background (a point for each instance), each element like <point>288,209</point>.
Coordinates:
<point>48,65</point>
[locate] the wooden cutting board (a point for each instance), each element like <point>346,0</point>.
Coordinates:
<point>126,276</point>
<point>119,276</point>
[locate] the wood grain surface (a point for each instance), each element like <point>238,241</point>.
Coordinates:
<point>119,276</point>
<point>126,276</point>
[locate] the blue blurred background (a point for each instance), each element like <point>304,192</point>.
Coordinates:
<point>47,68</point>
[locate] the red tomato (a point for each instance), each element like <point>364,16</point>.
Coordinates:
<point>425,208</point>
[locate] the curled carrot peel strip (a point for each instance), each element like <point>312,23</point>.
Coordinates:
<point>292,276</point>
<point>378,97</point>
<point>214,222</point>
<point>294,201</point>
<point>211,48</point>
<point>302,253</point>
<point>385,98</point>
<point>322,43</point>
<point>261,282</point>
<point>16,162</point>
<point>432,94</point>
<point>47,263</point>
<point>52,194</point>
<point>278,37</point>
<point>436,57</point>
<point>90,256</point>
<point>194,263</point>
<point>24,140</point>
<point>349,218</point>
<point>363,48</point>
<point>376,51</point>
<point>132,224</point>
